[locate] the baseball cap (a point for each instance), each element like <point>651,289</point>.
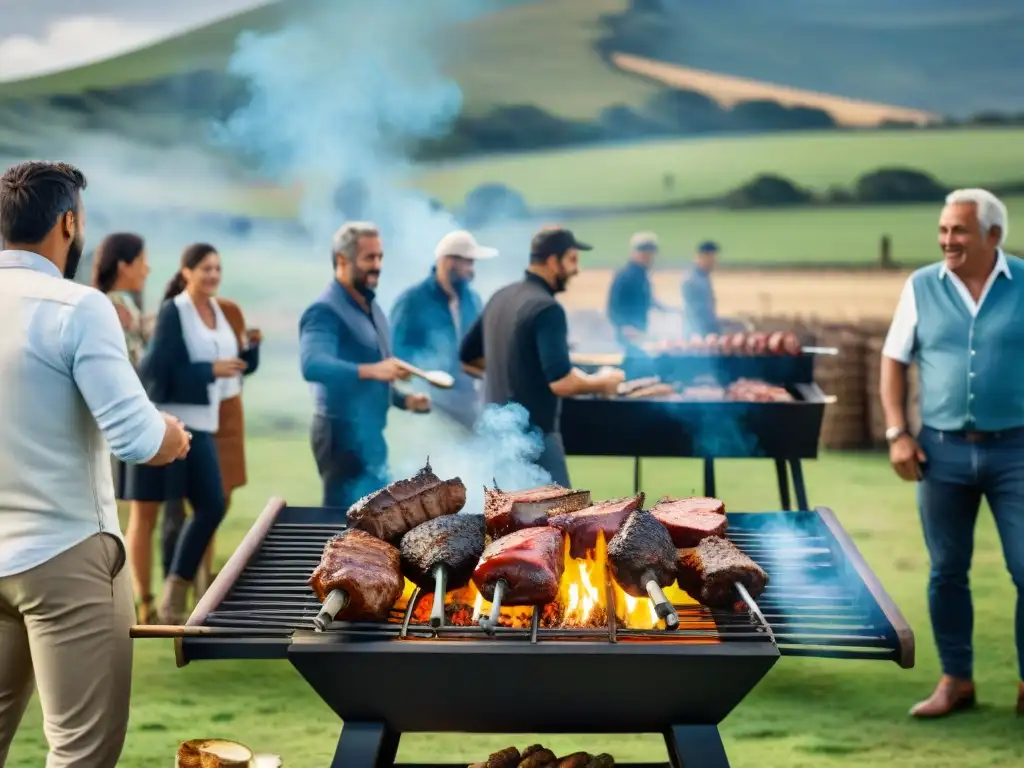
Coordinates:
<point>554,241</point>
<point>644,241</point>
<point>462,244</point>
<point>708,246</point>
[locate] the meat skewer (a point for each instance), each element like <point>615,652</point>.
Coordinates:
<point>710,572</point>
<point>584,525</point>
<point>522,568</point>
<point>508,511</point>
<point>402,505</point>
<point>440,555</point>
<point>359,578</point>
<point>643,560</point>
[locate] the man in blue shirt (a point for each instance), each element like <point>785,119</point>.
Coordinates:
<point>960,320</point>
<point>699,314</point>
<point>345,352</point>
<point>430,319</point>
<point>631,298</point>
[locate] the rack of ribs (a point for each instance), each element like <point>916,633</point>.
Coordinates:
<point>584,525</point>
<point>522,568</point>
<point>710,572</point>
<point>642,559</point>
<point>400,506</point>
<point>359,578</point>
<point>691,520</point>
<point>508,511</point>
<point>441,554</point>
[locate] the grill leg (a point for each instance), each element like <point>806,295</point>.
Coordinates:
<point>798,484</point>
<point>695,746</point>
<point>366,745</point>
<point>709,477</point>
<point>782,473</point>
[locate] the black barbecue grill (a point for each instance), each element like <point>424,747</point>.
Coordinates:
<point>823,600</point>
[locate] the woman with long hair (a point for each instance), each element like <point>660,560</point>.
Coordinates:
<point>193,363</point>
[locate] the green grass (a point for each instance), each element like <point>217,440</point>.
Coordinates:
<point>704,168</point>
<point>806,713</point>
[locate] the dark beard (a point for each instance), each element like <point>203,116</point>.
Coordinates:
<point>74,258</point>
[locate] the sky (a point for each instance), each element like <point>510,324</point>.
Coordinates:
<point>40,36</point>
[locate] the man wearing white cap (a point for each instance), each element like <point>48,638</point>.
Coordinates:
<point>430,319</point>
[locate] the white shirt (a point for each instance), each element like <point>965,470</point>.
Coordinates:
<point>69,396</point>
<point>899,342</point>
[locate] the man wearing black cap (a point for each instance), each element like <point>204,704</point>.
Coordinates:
<point>699,314</point>
<point>520,345</point>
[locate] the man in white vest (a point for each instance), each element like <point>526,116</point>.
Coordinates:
<point>68,398</point>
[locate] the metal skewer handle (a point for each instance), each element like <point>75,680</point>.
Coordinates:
<point>335,603</point>
<point>490,623</point>
<point>662,605</point>
<point>820,350</point>
<point>746,598</point>
<point>437,610</point>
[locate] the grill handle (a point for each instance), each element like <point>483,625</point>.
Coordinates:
<point>662,605</point>
<point>334,604</point>
<point>490,623</point>
<point>165,631</point>
<point>440,587</point>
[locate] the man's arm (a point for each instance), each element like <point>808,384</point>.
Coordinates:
<point>551,331</point>
<point>897,354</point>
<point>471,350</point>
<point>93,344</point>
<point>406,329</point>
<point>319,337</point>
<point>697,306</point>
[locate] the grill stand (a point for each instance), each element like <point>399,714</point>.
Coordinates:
<point>781,473</point>
<point>374,745</point>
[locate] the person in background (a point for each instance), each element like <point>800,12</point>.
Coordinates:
<point>631,297</point>
<point>192,364</point>
<point>960,319</point>
<point>345,352</point>
<point>430,319</point>
<point>520,345</point>
<point>70,396</point>
<point>230,441</point>
<point>699,314</point>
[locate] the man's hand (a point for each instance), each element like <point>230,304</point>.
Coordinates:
<point>232,366</point>
<point>608,380</point>
<point>906,456</point>
<point>176,442</point>
<point>386,370</point>
<point>417,402</point>
<point>254,336</point>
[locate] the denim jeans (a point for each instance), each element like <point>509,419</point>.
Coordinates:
<point>349,468</point>
<point>205,494</point>
<point>957,473</point>
<point>172,520</point>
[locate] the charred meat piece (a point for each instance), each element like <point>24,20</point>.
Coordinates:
<point>604,760</point>
<point>454,542</point>
<point>584,525</point>
<point>754,391</point>
<point>791,344</point>
<point>757,343</point>
<point>689,521</point>
<point>402,505</point>
<point>542,758</point>
<point>508,511</point>
<point>530,562</point>
<point>641,549</point>
<point>505,758</point>
<point>708,572</point>
<point>575,760</point>
<point>366,569</point>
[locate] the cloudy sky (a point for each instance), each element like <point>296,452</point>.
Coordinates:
<point>38,36</point>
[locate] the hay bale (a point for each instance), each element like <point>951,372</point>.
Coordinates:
<point>843,376</point>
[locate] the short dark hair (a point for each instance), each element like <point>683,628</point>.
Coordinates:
<point>33,197</point>
<point>554,241</point>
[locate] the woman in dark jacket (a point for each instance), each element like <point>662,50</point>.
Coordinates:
<point>192,364</point>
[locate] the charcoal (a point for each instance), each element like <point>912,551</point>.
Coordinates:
<point>642,545</point>
<point>454,541</point>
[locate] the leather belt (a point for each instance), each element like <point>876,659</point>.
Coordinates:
<point>977,436</point>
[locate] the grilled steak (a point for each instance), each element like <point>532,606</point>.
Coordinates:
<point>708,572</point>
<point>454,541</point>
<point>529,561</point>
<point>690,520</point>
<point>641,545</point>
<point>584,525</point>
<point>754,391</point>
<point>367,569</point>
<point>402,505</point>
<point>508,511</point>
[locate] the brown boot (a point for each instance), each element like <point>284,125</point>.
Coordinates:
<point>951,695</point>
<point>1020,699</point>
<point>173,600</point>
<point>203,581</point>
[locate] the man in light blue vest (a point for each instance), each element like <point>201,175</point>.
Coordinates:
<point>962,320</point>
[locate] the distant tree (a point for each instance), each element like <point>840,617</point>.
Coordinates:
<point>768,115</point>
<point>767,190</point>
<point>491,203</point>
<point>682,111</point>
<point>898,185</point>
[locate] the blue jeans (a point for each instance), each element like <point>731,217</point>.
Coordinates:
<point>350,467</point>
<point>957,473</point>
<point>205,493</point>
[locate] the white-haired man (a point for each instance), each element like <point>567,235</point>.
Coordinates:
<point>345,352</point>
<point>960,319</point>
<point>430,319</point>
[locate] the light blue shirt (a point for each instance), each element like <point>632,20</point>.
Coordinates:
<point>69,396</point>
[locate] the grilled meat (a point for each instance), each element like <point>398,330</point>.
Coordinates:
<point>603,760</point>
<point>366,569</point>
<point>505,758</point>
<point>584,525</point>
<point>754,391</point>
<point>542,758</point>
<point>691,520</point>
<point>402,505</point>
<point>575,760</point>
<point>531,750</point>
<point>709,571</point>
<point>508,511</point>
<point>453,541</point>
<point>642,545</point>
<point>530,562</point>
<point>654,390</point>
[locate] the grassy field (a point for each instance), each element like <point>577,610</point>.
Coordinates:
<point>807,713</point>
<point>703,168</point>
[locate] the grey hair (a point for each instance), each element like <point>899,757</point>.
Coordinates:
<point>991,210</point>
<point>346,240</point>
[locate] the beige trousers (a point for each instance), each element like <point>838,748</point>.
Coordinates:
<point>64,626</point>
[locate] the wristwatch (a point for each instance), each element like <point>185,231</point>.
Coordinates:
<point>894,433</point>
